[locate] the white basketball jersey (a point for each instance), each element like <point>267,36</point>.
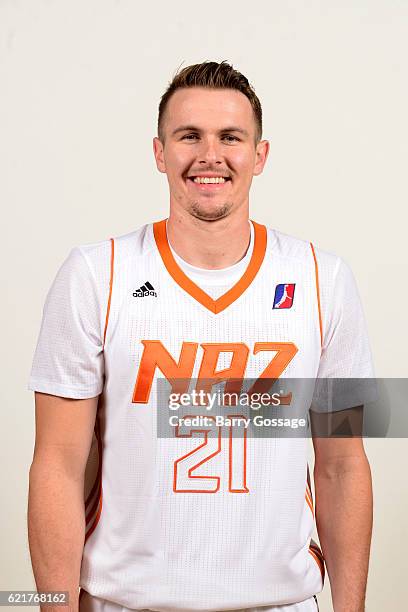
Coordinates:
<point>195,522</point>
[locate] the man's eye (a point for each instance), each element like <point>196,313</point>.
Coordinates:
<point>189,137</point>
<point>230,138</point>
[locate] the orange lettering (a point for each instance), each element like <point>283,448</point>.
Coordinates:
<point>233,375</point>
<point>155,355</point>
<point>285,352</point>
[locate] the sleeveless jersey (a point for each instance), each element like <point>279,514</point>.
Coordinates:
<point>195,522</point>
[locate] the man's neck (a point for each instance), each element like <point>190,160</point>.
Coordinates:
<point>209,244</point>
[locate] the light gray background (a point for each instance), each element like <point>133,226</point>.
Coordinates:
<point>80,84</point>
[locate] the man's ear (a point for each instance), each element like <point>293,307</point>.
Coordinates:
<point>262,151</point>
<point>158,151</point>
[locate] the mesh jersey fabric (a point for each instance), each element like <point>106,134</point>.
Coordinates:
<point>154,540</point>
<point>89,603</point>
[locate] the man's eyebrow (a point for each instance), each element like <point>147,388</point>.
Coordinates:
<point>186,128</point>
<point>193,128</point>
<point>234,128</point>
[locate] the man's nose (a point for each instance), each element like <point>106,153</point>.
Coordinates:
<point>210,152</point>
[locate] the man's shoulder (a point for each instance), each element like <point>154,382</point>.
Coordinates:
<point>117,247</point>
<point>303,251</point>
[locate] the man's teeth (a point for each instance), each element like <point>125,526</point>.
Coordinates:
<point>207,179</point>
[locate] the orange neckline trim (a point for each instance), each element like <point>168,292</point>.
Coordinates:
<point>225,300</point>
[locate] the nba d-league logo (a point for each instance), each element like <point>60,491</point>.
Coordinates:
<point>284,293</point>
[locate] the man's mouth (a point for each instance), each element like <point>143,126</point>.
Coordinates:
<point>209,180</point>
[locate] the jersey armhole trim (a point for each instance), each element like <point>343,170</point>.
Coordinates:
<point>112,267</point>
<point>318,294</point>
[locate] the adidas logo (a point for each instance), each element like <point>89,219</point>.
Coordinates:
<point>144,290</point>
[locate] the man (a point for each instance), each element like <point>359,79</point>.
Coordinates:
<point>196,521</point>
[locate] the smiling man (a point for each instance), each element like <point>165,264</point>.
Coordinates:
<point>198,520</point>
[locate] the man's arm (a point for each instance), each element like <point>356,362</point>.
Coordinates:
<point>56,517</point>
<point>344,516</point>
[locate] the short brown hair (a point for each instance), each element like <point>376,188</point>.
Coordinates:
<point>214,76</point>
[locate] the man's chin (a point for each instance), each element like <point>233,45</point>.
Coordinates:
<point>210,213</point>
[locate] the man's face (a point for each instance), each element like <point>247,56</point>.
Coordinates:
<point>209,152</point>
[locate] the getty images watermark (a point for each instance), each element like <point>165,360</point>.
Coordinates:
<point>211,401</point>
<point>283,408</point>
